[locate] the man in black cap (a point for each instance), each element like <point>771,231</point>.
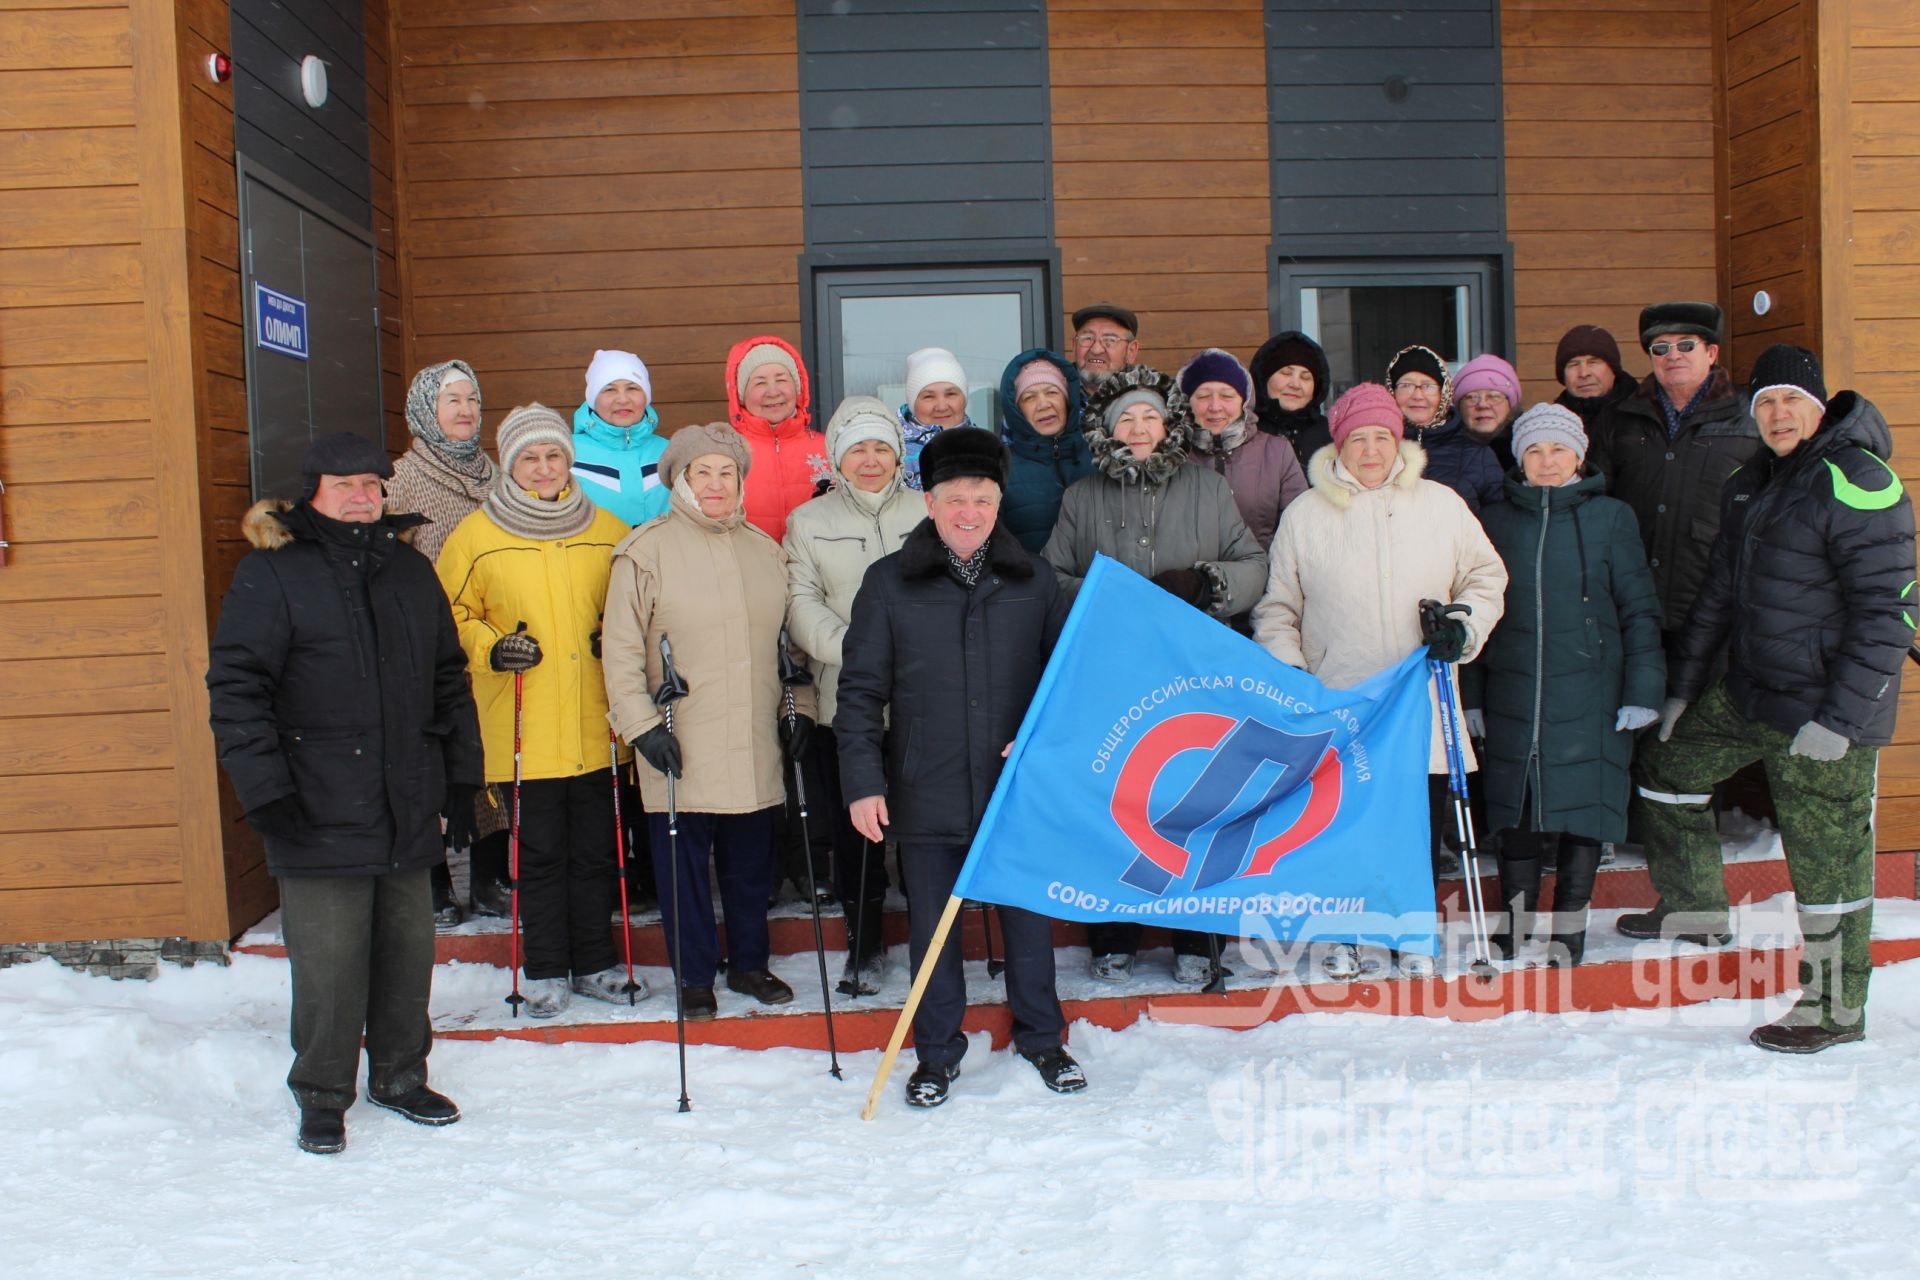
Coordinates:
<point>1105,341</point>
<point>947,642</point>
<point>343,714</point>
<point>1811,593</point>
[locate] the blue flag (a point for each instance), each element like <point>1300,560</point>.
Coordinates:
<point>1171,771</point>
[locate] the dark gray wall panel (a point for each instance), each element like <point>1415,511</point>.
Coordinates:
<point>924,128</point>
<point>323,150</point>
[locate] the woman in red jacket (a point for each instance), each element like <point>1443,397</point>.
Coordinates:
<point>770,403</point>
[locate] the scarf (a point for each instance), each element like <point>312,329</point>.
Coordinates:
<point>970,568</point>
<point>686,504</point>
<point>528,516</point>
<point>1222,442</point>
<point>464,457</point>
<point>473,476</point>
<point>1675,416</point>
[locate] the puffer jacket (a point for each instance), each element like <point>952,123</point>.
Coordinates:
<point>1674,485</point>
<point>1155,513</point>
<point>1580,638</point>
<point>1350,567</point>
<point>1304,428</point>
<point>1592,408</point>
<point>831,543</point>
<point>618,467</point>
<point>1263,474</point>
<point>790,463</point>
<point>1811,585</point>
<point>496,580</point>
<point>1457,460</point>
<point>336,677</point>
<point>717,589</point>
<point>1044,467</point>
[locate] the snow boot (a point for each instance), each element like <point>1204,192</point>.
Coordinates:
<point>760,984</point>
<point>546,997</point>
<point>610,984</point>
<point>699,1004</point>
<point>1192,971</point>
<point>447,914</point>
<point>493,898</point>
<point>1520,890</point>
<point>1115,967</point>
<point>1654,924</point>
<point>866,948</point>
<point>1573,891</point>
<point>323,1130</point>
<point>1058,1071</point>
<point>420,1105</point>
<point>1341,962</point>
<point>1412,964</point>
<point>927,1086</point>
<point>1797,1035</point>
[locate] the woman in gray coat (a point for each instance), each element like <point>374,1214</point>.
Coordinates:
<point>1175,524</point>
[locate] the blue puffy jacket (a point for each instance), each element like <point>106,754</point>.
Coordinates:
<point>1460,462</point>
<point>618,466</point>
<point>1043,466</point>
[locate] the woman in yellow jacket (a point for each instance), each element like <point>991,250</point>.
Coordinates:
<point>527,577</point>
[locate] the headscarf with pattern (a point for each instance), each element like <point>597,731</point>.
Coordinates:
<point>423,419</point>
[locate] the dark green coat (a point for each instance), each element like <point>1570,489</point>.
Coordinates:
<point>1580,639</point>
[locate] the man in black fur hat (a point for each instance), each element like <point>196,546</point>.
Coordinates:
<point>948,639</point>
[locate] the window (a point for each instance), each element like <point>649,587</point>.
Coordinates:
<point>867,321</point>
<point>1364,312</point>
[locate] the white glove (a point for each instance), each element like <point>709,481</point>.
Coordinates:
<point>1632,718</point>
<point>1817,742</point>
<point>1670,713</point>
<point>1476,723</point>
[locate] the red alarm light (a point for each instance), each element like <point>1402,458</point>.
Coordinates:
<point>219,68</point>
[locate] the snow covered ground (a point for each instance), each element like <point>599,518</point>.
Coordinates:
<point>147,1133</point>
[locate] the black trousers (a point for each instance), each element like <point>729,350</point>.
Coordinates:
<point>929,871</point>
<point>361,951</point>
<point>1107,937</point>
<point>849,846</point>
<point>567,890</point>
<point>742,847</point>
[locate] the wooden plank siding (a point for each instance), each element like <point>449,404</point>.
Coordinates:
<point>1160,185</point>
<point>1610,169</point>
<point>559,189</point>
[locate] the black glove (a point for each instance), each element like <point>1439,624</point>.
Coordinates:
<point>277,818</point>
<point>1191,585</point>
<point>593,642</point>
<point>795,733</point>
<point>1444,636</point>
<point>459,814</point>
<point>660,749</point>
<point>516,652</point>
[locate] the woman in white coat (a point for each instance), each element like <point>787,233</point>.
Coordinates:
<point>831,541</point>
<point>1354,557</point>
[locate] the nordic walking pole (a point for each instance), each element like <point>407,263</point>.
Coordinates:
<point>632,988</point>
<point>514,998</point>
<point>1216,972</point>
<point>859,919</point>
<point>792,676</point>
<point>920,980</point>
<point>994,966</point>
<point>1462,815</point>
<point>672,689</point>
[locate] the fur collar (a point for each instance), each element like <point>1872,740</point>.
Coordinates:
<point>1115,460</point>
<point>273,523</point>
<point>923,555</point>
<point>1413,460</point>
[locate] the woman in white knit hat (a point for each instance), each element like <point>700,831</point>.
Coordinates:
<point>936,402</point>
<point>527,577</point>
<point>616,440</point>
<point>831,542</point>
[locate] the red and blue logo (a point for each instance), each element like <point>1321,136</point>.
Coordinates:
<point>1250,769</point>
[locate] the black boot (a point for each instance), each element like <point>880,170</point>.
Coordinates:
<point>446,908</point>
<point>1573,891</point>
<point>323,1130</point>
<point>866,948</point>
<point>1520,891</point>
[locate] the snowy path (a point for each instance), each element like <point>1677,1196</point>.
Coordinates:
<point>147,1133</point>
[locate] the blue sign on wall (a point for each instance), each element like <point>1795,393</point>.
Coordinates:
<point>279,322</point>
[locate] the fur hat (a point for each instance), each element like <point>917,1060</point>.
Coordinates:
<point>763,353</point>
<point>1550,422</point>
<point>1791,367</point>
<point>615,366</point>
<point>1586,340</point>
<point>931,366</point>
<point>1112,311</point>
<point>699,440</point>
<point>528,425</point>
<point>1214,365</point>
<point>1701,319</point>
<point>1488,373</point>
<point>960,452</point>
<point>342,454</point>
<point>862,418</point>
<point>1365,404</point>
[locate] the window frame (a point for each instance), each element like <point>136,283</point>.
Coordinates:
<point>1489,310</point>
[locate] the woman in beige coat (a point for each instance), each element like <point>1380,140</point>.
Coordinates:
<point>831,542</point>
<point>1354,557</point>
<point>716,588</point>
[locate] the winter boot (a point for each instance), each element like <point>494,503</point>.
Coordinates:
<point>446,908</point>
<point>1662,923</point>
<point>1573,891</point>
<point>1341,962</point>
<point>420,1105</point>
<point>1192,971</point>
<point>1117,967</point>
<point>1412,964</point>
<point>1520,890</point>
<point>493,898</point>
<point>546,997</point>
<point>760,984</point>
<point>927,1086</point>
<point>610,984</point>
<point>1058,1071</point>
<point>699,1004</point>
<point>323,1130</point>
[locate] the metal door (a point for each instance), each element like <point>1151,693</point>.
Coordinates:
<point>310,282</point>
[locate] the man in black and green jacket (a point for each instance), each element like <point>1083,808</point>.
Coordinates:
<point>1811,590</point>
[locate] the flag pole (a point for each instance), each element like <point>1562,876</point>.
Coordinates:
<point>899,1036</point>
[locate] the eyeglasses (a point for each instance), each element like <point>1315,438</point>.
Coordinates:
<point>1686,347</point>
<point>1482,398</point>
<point>1417,385</point>
<point>1111,341</point>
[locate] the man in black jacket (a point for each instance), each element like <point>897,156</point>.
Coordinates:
<point>946,646</point>
<point>344,717</point>
<point>1811,593</point>
<point>1587,363</point>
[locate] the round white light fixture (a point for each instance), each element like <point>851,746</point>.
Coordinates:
<point>1762,302</point>
<point>313,81</point>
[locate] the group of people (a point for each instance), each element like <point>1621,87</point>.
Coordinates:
<point>1661,581</point>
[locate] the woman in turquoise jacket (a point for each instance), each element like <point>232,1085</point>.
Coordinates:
<point>616,440</point>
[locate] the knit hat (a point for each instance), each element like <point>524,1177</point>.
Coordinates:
<point>961,452</point>
<point>1794,368</point>
<point>1036,371</point>
<point>1112,311</point>
<point>613,366</point>
<point>1488,373</point>
<point>1416,359</point>
<point>1126,400</point>
<point>1553,422</point>
<point>762,353</point>
<point>1586,340</point>
<point>699,440</point>
<point>528,425</point>
<point>1215,365</point>
<point>862,418</point>
<point>1701,319</point>
<point>930,366</point>
<point>1366,404</point>
<point>343,454</point>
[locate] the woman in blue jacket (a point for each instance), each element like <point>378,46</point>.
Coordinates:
<point>1040,404</point>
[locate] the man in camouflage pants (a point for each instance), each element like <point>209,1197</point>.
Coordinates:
<point>1811,590</point>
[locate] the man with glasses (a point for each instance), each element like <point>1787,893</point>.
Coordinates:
<point>1668,449</point>
<point>1105,341</point>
